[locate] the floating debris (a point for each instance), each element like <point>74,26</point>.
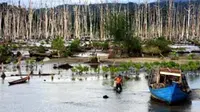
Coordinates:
<point>105,97</point>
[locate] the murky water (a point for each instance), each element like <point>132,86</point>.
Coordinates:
<point>65,95</point>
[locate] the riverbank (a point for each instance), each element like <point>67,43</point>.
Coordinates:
<point>72,60</point>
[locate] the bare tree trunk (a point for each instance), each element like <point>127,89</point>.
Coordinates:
<point>91,24</point>
<point>40,26</point>
<point>52,22</point>
<point>76,22</point>
<point>193,25</point>
<point>5,29</point>
<point>27,29</point>
<point>188,21</point>
<point>18,24</point>
<point>170,19</point>
<point>198,24</point>
<point>0,25</point>
<point>13,26</point>
<point>85,20</point>
<point>30,17</point>
<point>183,28</point>
<point>101,24</point>
<point>46,24</point>
<point>65,30</point>
<point>146,19</point>
<point>158,19</point>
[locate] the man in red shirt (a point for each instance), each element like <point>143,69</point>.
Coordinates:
<point>118,81</point>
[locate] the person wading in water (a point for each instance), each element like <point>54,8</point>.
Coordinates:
<point>118,81</point>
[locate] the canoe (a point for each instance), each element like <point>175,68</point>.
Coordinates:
<point>19,81</point>
<point>172,91</point>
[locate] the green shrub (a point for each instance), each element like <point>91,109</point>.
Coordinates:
<point>73,78</point>
<point>191,56</point>
<point>75,45</point>
<point>67,53</point>
<point>174,55</point>
<point>93,59</point>
<point>160,43</point>
<point>42,43</point>
<point>97,45</point>
<point>14,47</point>
<point>5,54</point>
<point>58,44</point>
<point>122,34</point>
<point>151,50</point>
<point>41,49</point>
<point>105,45</point>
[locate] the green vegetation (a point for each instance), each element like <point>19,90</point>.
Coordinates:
<point>5,54</point>
<point>58,45</point>
<point>101,45</point>
<point>74,46</point>
<point>120,30</point>
<point>13,46</point>
<point>67,53</point>
<point>41,49</point>
<point>151,50</point>
<point>105,45</point>
<point>80,69</point>
<point>113,70</point>
<point>73,78</point>
<point>195,41</point>
<point>93,59</point>
<point>30,62</point>
<point>192,56</point>
<point>174,55</point>
<point>97,70</point>
<point>105,69</point>
<point>157,46</point>
<point>124,67</point>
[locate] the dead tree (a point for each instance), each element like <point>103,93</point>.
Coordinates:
<point>0,25</point>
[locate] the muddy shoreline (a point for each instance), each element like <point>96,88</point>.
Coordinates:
<point>82,60</point>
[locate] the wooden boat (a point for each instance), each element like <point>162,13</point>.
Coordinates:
<point>19,81</point>
<point>168,85</point>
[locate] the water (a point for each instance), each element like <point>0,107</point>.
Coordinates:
<point>187,48</point>
<point>89,54</point>
<point>65,95</point>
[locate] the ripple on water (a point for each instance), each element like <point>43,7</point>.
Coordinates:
<point>81,104</point>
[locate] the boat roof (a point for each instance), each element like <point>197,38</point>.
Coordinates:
<point>169,71</point>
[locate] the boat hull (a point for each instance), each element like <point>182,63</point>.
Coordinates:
<point>170,94</point>
<point>19,81</point>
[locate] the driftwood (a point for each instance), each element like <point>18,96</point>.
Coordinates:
<point>63,66</point>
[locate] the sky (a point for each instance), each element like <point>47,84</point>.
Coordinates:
<point>53,3</point>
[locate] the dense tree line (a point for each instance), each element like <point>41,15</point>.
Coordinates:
<point>173,20</point>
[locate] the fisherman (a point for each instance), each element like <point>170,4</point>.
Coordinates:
<point>3,76</point>
<point>29,77</point>
<point>119,82</point>
<point>106,76</point>
<point>52,77</point>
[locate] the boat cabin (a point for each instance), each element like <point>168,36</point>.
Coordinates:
<point>164,77</point>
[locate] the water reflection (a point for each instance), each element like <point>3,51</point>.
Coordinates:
<point>157,106</point>
<point>2,81</point>
<point>94,66</point>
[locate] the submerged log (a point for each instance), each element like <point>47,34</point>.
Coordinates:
<point>40,54</point>
<point>105,97</point>
<point>63,66</point>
